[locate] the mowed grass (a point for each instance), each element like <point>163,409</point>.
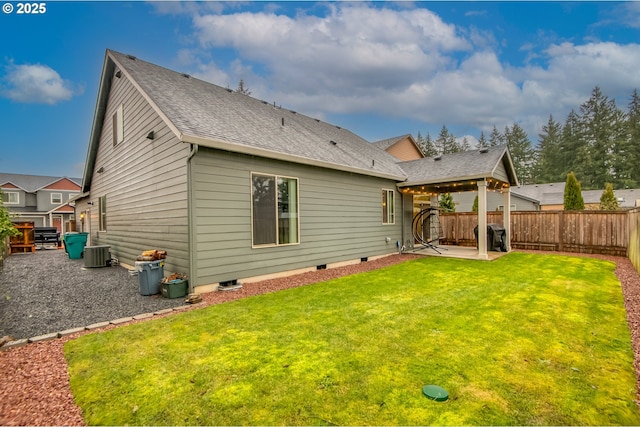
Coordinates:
<point>523,340</point>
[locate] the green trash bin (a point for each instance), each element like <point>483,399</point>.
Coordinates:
<point>74,244</point>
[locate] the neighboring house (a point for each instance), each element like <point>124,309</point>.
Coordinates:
<point>551,196</point>
<point>235,188</point>
<point>43,200</point>
<point>519,202</point>
<point>403,147</point>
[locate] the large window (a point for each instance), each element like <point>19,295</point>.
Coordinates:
<point>10,197</point>
<point>102,212</point>
<point>274,210</point>
<point>388,207</point>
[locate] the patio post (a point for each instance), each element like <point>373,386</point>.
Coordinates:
<point>482,220</point>
<point>506,216</point>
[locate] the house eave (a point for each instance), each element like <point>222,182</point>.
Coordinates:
<point>254,151</point>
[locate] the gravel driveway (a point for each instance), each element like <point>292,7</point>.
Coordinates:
<point>47,292</point>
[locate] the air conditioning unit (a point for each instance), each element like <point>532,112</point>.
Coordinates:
<point>97,256</point>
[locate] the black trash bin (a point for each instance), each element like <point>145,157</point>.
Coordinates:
<point>496,237</point>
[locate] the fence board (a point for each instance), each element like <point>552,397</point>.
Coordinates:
<point>603,232</point>
<point>634,238</point>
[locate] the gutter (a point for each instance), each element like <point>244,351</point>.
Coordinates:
<point>191,218</point>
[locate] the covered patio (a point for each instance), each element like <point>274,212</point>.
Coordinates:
<point>485,170</point>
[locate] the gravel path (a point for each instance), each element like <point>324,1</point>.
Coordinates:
<point>47,292</point>
<point>34,382</point>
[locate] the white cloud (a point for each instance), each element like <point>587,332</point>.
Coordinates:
<point>37,84</point>
<point>358,58</point>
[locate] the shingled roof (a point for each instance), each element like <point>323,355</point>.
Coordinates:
<point>209,115</point>
<point>32,183</point>
<point>459,167</point>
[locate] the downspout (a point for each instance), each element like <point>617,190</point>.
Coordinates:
<point>191,215</point>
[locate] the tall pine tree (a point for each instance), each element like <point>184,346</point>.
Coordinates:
<point>633,135</point>
<point>446,142</point>
<point>602,130</point>
<point>521,151</point>
<point>495,137</point>
<point>549,165</point>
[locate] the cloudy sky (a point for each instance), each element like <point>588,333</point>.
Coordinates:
<point>380,69</point>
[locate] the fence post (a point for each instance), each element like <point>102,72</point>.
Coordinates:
<point>560,231</point>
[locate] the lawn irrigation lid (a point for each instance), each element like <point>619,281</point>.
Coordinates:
<point>435,392</point>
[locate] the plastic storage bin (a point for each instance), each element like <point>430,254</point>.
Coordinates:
<point>175,288</point>
<point>150,274</point>
<point>74,244</point>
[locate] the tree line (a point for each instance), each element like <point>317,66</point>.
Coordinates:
<point>599,142</point>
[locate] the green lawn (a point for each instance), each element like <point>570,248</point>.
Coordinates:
<point>523,340</point>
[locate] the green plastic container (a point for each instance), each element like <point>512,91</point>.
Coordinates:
<point>74,244</point>
<point>175,289</point>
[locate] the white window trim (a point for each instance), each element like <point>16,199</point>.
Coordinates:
<point>276,176</point>
<point>393,211</point>
<point>501,207</point>
<point>102,214</point>
<point>118,125</point>
<point>9,202</point>
<point>59,196</point>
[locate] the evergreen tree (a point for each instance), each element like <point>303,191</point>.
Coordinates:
<point>495,137</point>
<point>482,142</point>
<point>474,208</point>
<point>549,165</point>
<point>632,162</point>
<point>446,203</point>
<point>464,145</point>
<point>571,153</point>
<point>428,147</point>
<point>608,201</point>
<point>446,142</point>
<point>573,200</point>
<point>602,130</point>
<point>522,152</point>
<point>242,88</point>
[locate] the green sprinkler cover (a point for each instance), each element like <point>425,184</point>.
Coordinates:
<point>435,392</point>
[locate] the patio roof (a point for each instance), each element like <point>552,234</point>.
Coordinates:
<point>458,172</point>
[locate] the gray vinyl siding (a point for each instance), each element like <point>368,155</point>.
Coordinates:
<point>144,181</point>
<point>495,199</point>
<point>340,217</point>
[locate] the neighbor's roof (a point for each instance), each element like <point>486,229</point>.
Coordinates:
<point>553,194</point>
<point>209,115</point>
<point>467,165</point>
<point>32,183</point>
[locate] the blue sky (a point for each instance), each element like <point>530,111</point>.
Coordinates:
<point>380,69</point>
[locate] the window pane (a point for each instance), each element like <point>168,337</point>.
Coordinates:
<point>264,209</point>
<point>287,210</point>
<point>102,211</point>
<point>388,209</point>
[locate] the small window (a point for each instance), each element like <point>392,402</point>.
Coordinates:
<point>501,208</point>
<point>56,198</point>
<point>10,197</point>
<point>274,210</point>
<point>118,125</point>
<point>388,207</point>
<point>102,212</point>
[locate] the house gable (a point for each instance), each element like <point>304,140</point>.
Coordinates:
<point>403,147</point>
<point>139,180</point>
<point>63,184</point>
<point>10,185</point>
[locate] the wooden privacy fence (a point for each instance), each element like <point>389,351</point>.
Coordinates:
<point>599,232</point>
<point>634,238</point>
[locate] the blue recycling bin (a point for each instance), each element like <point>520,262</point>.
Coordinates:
<point>150,274</point>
